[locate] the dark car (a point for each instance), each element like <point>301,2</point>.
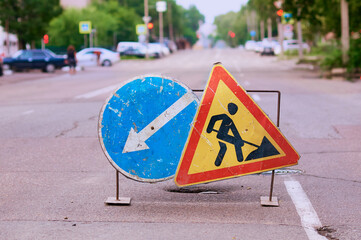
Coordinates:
<point>34,59</point>
<point>131,51</point>
<point>267,51</point>
<point>1,67</point>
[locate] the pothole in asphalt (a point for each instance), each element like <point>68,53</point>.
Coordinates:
<point>327,232</point>
<point>199,190</point>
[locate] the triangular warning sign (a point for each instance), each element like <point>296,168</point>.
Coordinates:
<point>231,136</point>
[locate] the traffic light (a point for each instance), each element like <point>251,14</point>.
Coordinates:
<point>46,38</point>
<point>280,12</point>
<point>231,34</point>
<point>150,25</point>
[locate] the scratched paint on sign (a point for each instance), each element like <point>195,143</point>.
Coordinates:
<point>144,125</point>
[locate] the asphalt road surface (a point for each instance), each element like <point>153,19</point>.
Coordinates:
<point>54,177</point>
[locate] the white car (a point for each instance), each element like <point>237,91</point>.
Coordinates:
<point>124,46</point>
<point>141,49</point>
<point>89,57</point>
<point>291,45</point>
<point>250,45</point>
<point>159,50</point>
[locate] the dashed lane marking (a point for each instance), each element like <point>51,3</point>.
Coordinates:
<point>28,112</point>
<point>97,92</point>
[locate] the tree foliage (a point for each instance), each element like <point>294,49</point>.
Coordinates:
<point>114,20</point>
<point>28,19</point>
<point>319,17</point>
<point>225,23</point>
<point>185,22</point>
<point>109,19</point>
<point>191,17</point>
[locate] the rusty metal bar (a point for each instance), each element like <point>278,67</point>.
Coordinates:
<point>272,181</point>
<point>278,122</point>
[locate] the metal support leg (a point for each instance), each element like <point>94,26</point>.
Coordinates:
<point>272,180</point>
<point>118,200</point>
<point>270,201</point>
<point>273,201</point>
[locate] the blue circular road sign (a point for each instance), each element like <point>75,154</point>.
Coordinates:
<point>143,127</point>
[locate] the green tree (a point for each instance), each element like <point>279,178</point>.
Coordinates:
<point>125,16</point>
<point>266,11</point>
<point>225,23</point>
<point>64,29</point>
<point>136,5</point>
<point>192,17</point>
<point>240,26</point>
<point>28,19</point>
<point>112,22</point>
<point>185,21</point>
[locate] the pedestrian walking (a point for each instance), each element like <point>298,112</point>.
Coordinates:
<point>97,54</point>
<point>71,58</point>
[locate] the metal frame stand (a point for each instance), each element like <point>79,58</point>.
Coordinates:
<point>271,201</point>
<point>265,200</point>
<point>118,200</point>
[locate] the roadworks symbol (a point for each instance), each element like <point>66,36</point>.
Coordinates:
<point>231,136</point>
<point>228,133</point>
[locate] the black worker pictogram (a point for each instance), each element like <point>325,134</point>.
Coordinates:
<point>265,149</point>
<point>227,125</point>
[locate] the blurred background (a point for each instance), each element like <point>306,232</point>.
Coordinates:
<point>325,33</point>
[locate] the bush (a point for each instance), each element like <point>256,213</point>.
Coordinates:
<point>354,63</point>
<point>322,48</point>
<point>332,59</point>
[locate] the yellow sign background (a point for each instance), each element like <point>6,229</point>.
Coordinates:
<point>247,125</point>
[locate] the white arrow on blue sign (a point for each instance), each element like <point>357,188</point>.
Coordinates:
<point>144,125</point>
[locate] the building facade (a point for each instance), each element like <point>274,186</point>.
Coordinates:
<point>74,3</point>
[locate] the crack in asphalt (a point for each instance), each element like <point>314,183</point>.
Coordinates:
<point>324,152</point>
<point>75,125</point>
<point>331,178</point>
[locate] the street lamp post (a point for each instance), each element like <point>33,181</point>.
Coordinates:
<point>161,7</point>
<point>146,20</point>
<point>345,32</point>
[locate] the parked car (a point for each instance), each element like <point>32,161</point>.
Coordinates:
<point>268,47</point>
<point>139,49</point>
<point>124,46</point>
<point>250,45</point>
<point>88,57</point>
<point>1,65</point>
<point>289,45</point>
<point>159,50</point>
<point>293,44</point>
<point>34,59</point>
<point>171,45</point>
<point>134,51</point>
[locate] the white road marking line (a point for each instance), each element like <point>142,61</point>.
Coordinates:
<point>28,112</point>
<point>305,210</point>
<point>97,92</point>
